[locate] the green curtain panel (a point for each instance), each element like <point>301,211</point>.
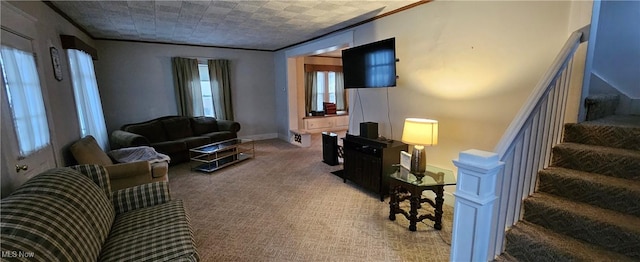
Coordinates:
<point>220,75</point>
<point>186,80</point>
<point>310,91</point>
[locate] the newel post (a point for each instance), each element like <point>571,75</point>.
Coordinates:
<point>473,210</point>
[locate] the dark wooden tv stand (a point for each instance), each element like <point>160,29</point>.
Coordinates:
<point>368,161</point>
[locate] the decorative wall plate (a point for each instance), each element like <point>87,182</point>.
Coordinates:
<point>55,60</point>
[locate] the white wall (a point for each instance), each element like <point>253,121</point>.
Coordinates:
<point>470,65</point>
<point>616,58</point>
<point>136,83</point>
<point>580,17</point>
<point>282,103</point>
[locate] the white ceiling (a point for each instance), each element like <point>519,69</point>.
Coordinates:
<point>261,25</point>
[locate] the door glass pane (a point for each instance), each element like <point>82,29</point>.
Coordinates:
<point>22,84</point>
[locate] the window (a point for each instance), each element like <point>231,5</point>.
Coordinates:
<point>22,84</point>
<point>323,83</point>
<point>326,83</point>
<point>205,85</point>
<point>85,91</point>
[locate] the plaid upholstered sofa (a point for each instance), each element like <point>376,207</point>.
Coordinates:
<point>70,214</point>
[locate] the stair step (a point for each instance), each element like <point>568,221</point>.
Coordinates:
<point>611,230</point>
<point>601,105</point>
<point>617,121</point>
<point>614,131</point>
<point>621,195</point>
<point>529,242</point>
<point>505,257</point>
<point>616,162</point>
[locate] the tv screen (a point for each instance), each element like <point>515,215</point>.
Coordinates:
<point>370,65</point>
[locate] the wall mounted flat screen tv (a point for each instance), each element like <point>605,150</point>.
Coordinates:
<point>370,65</point>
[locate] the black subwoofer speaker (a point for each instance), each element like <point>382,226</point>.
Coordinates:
<point>330,148</point>
<point>369,130</point>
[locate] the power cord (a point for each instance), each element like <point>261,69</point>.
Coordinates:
<point>389,114</point>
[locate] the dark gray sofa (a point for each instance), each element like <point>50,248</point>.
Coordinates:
<point>175,135</point>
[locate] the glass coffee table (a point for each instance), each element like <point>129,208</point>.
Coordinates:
<point>211,157</point>
<point>403,185</point>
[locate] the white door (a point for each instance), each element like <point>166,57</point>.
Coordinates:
<point>26,144</point>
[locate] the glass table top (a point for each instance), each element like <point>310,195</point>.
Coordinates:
<point>220,146</point>
<point>434,176</point>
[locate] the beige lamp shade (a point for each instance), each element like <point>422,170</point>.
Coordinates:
<point>418,131</point>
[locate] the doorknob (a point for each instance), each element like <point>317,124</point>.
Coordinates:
<point>21,167</point>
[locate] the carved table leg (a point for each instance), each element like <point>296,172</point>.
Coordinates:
<point>393,203</point>
<point>438,212</point>
<point>413,214</point>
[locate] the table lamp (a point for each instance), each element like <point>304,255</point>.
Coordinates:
<point>419,133</point>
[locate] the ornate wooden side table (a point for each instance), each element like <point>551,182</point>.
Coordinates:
<point>405,186</point>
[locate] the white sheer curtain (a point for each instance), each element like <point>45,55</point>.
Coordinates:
<point>20,78</point>
<point>341,102</point>
<point>85,90</point>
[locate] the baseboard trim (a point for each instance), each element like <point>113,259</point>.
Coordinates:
<point>262,136</point>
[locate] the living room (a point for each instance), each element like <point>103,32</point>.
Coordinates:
<point>460,63</point>
<point>136,83</point>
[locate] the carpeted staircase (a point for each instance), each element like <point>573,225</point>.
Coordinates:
<point>587,205</point>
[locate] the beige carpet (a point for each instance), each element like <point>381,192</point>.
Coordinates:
<point>285,205</point>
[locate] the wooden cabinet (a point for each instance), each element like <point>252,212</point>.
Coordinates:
<point>368,161</point>
<point>342,122</point>
<point>317,124</point>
